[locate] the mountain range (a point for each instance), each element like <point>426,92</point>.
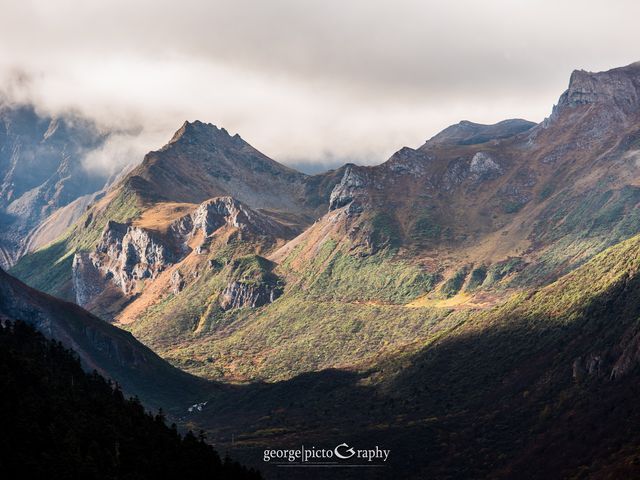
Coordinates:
<point>471,301</point>
<point>44,183</point>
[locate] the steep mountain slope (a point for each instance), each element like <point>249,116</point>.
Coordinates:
<point>199,164</point>
<point>202,162</point>
<point>60,422</point>
<point>41,171</point>
<point>100,346</point>
<point>450,226</point>
<point>548,196</point>
<point>456,225</point>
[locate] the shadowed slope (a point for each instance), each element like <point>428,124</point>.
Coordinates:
<point>113,352</point>
<point>541,387</point>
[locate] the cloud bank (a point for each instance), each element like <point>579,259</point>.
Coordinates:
<point>307,82</point>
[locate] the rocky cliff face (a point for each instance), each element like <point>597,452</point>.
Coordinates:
<point>599,102</point>
<point>252,283</point>
<point>619,87</point>
<point>86,279</point>
<point>613,363</point>
<point>128,254</point>
<point>352,185</point>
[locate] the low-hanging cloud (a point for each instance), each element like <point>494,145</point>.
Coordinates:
<point>306,82</point>
<point>119,151</point>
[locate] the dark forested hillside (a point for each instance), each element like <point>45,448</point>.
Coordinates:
<point>59,422</point>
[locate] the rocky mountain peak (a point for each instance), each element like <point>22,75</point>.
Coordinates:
<point>198,132</point>
<point>202,161</point>
<point>619,87</point>
<point>214,213</point>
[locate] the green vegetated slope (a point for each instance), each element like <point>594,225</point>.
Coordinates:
<point>49,269</point>
<point>543,386</point>
<point>338,310</point>
<point>296,335</point>
<point>178,317</point>
<point>60,422</point>
<point>576,228</point>
<point>338,274</point>
<point>546,381</point>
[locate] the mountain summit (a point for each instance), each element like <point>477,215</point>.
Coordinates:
<point>469,133</point>
<point>205,133</point>
<point>202,161</point>
<point>619,87</point>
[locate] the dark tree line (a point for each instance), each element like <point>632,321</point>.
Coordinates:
<point>57,421</point>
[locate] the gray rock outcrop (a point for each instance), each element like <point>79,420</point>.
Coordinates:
<point>127,254</point>
<point>87,279</point>
<point>177,282</point>
<point>483,166</point>
<point>619,87</point>
<point>243,295</point>
<point>351,185</point>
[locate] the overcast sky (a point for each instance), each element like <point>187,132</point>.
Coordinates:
<point>306,81</point>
